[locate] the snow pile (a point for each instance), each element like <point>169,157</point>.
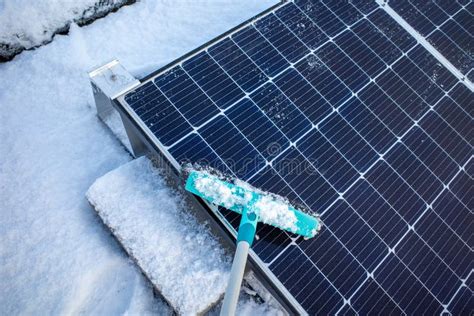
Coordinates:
<point>252,308</point>
<point>276,212</point>
<point>25,23</point>
<point>56,256</point>
<point>270,209</point>
<point>219,192</point>
<point>180,256</point>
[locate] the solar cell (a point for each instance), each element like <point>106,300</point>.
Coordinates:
<point>337,107</point>
<point>447,25</point>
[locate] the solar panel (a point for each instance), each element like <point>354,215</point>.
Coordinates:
<point>447,25</point>
<point>337,107</point>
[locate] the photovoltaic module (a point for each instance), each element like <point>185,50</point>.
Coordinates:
<point>361,111</point>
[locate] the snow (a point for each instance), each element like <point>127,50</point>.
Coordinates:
<point>276,212</point>
<point>55,255</point>
<point>270,209</point>
<point>219,192</point>
<point>26,24</point>
<point>181,257</point>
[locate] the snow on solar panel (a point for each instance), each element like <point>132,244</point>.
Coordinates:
<point>337,107</point>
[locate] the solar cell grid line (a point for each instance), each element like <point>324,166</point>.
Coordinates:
<point>432,271</point>
<point>418,218</point>
<point>462,302</point>
<point>391,186</point>
<point>369,46</point>
<point>462,99</point>
<point>376,301</point>
<point>233,124</point>
<point>302,26</point>
<point>435,215</point>
<point>355,118</point>
<point>220,78</point>
<point>457,118</point>
<point>462,95</point>
<point>410,170</point>
<point>344,10</point>
<point>181,90</point>
<point>237,65</point>
<point>462,191</point>
<point>433,69</point>
<point>368,248</point>
<point>415,298</point>
<point>307,292</point>
<point>395,32</point>
<point>455,220</point>
<point>399,69</point>
<point>413,16</point>
<point>190,124</point>
<point>432,156</point>
<point>463,297</point>
<point>328,301</point>
<point>449,7</point>
<point>318,12</point>
<point>365,6</point>
<point>435,15</point>
<point>446,137</point>
<point>379,43</point>
<point>222,97</point>
<point>443,37</point>
<point>382,281</point>
<point>460,36</point>
<point>446,243</point>
<point>460,17</point>
<point>350,43</point>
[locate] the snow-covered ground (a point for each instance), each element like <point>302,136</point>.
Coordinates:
<point>55,256</point>
<point>25,23</point>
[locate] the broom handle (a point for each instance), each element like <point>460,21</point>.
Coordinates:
<point>245,236</point>
<point>235,281</point>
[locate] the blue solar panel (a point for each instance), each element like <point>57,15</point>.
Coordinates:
<point>447,25</point>
<point>336,106</point>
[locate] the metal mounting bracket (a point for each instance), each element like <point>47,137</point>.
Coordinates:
<point>109,82</point>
